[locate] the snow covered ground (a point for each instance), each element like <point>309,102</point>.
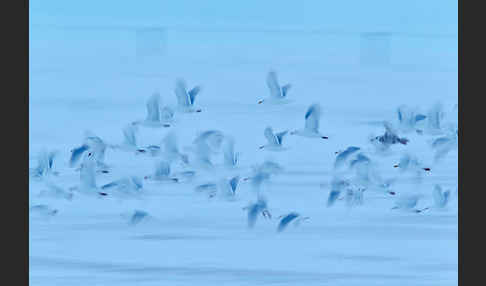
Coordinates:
<point>192,239</point>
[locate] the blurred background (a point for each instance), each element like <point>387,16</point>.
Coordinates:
<point>118,52</point>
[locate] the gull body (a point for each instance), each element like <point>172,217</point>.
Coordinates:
<point>186,99</point>
<point>155,118</point>
<point>278,95</point>
<point>274,140</point>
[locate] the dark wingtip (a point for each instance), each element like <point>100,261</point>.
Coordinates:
<point>395,166</point>
<point>427,169</point>
<point>325,137</point>
<point>103,194</point>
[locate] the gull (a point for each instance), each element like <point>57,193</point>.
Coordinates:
<point>213,138</point>
<point>410,163</point>
<point>45,164</point>
<point>55,192</point>
<point>277,94</point>
<point>206,144</point>
<point>443,145</point>
<point>228,186</point>
<point>354,196</point>
<point>408,203</point>
<point>185,99</point>
<point>129,137</point>
<point>138,216</point>
<point>274,140</point>
<point>210,188</point>
<point>42,210</point>
<point>434,118</point>
<point>337,186</point>
<point>87,176</point>
<point>408,118</point>
<point>151,150</point>
<point>125,186</point>
<point>288,218</point>
<point>155,118</point>
<point>344,155</point>
<point>170,151</point>
<point>230,157</point>
<point>311,128</point>
<point>440,198</point>
<point>162,173</point>
<point>262,173</point>
<point>185,176</point>
<point>96,147</point>
<point>389,138</point>
<point>254,209</point>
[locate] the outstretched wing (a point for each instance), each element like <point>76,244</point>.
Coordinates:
<point>229,152</point>
<point>87,173</point>
<point>272,139</point>
<point>312,117</point>
<point>170,143</point>
<point>129,135</point>
<point>280,136</point>
<point>234,183</point>
<point>341,158</point>
<point>162,170</point>
<point>166,114</point>
<point>273,85</point>
<point>192,94</point>
<point>419,117</point>
<point>285,89</point>
<point>286,220</point>
<point>153,113</point>
<point>76,154</point>
<point>181,93</point>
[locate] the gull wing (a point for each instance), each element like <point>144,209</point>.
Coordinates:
<point>162,170</point>
<point>312,117</point>
<point>129,135</point>
<point>280,136</point>
<point>234,183</point>
<point>341,157</point>
<point>153,112</point>
<point>273,86</point>
<point>285,89</point>
<point>76,154</point>
<point>192,94</point>
<point>87,172</point>
<point>286,220</point>
<point>272,139</point>
<point>181,93</point>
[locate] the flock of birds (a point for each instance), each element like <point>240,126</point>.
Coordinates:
<point>354,168</point>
